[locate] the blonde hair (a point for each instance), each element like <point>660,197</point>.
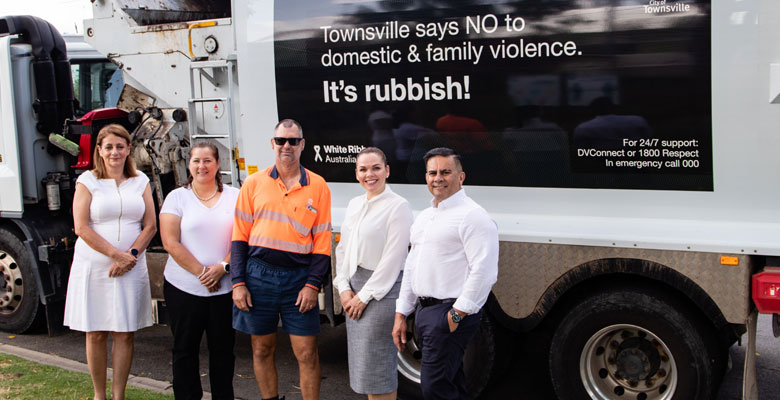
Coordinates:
<point>99,168</point>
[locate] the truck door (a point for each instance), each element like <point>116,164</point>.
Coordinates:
<point>10,179</point>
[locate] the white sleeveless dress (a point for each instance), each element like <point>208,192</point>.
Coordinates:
<point>96,302</point>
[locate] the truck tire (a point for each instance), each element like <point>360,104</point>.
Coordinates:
<point>630,344</point>
<point>20,308</point>
<point>481,362</point>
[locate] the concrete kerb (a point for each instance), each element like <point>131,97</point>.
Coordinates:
<point>70,365</point>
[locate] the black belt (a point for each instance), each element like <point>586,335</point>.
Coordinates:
<point>431,301</point>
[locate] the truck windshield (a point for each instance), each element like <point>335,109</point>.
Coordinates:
<point>96,84</point>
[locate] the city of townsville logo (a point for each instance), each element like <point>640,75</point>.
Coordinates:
<point>665,6</point>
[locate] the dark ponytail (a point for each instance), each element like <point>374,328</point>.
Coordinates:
<point>215,152</point>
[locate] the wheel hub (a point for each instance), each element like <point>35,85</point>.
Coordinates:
<point>11,288</point>
<point>409,360</point>
<point>631,364</point>
<point>628,361</point>
<point>636,359</point>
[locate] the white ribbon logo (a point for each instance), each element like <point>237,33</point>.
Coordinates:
<point>317,157</point>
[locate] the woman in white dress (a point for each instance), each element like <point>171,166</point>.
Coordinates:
<point>369,260</point>
<point>196,225</point>
<point>108,287</point>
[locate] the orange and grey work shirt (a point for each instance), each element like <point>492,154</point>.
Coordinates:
<point>283,227</point>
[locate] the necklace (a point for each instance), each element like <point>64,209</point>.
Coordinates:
<point>202,199</point>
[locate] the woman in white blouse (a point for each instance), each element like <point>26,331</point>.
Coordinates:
<point>369,260</point>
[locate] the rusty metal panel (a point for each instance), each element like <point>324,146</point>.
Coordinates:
<point>155,263</point>
<point>526,271</point>
<point>130,98</point>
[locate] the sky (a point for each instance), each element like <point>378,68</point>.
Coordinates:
<point>65,15</point>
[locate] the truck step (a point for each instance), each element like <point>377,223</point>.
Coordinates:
<point>207,99</point>
<point>210,136</point>
<point>209,64</point>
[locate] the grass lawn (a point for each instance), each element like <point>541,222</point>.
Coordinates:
<point>25,380</point>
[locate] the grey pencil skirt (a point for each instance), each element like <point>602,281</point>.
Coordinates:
<point>372,355</point>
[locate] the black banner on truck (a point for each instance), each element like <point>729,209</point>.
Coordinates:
<point>571,94</point>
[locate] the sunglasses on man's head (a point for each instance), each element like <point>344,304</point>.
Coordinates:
<point>293,141</point>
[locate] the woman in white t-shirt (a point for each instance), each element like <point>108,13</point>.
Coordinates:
<point>196,224</point>
<point>369,260</point>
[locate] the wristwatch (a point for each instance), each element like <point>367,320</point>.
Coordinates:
<point>456,318</point>
<point>226,266</point>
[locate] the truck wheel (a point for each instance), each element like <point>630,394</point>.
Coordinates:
<point>19,304</point>
<point>630,344</point>
<point>481,361</point>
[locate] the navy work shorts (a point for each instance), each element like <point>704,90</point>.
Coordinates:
<point>274,291</point>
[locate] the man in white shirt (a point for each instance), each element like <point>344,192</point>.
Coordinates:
<point>448,275</point>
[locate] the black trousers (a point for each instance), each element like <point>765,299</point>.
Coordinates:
<point>190,316</point>
<point>442,375</point>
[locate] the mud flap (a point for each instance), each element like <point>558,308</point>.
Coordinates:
<point>749,386</point>
<point>55,314</point>
<point>326,302</point>
<point>159,312</point>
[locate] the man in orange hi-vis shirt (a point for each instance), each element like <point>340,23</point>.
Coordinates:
<point>279,257</point>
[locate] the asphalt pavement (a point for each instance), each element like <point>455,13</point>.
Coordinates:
<point>524,379</point>
<point>152,359</point>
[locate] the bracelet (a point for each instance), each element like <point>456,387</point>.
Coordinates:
<point>310,286</point>
<point>235,285</point>
<point>202,273</point>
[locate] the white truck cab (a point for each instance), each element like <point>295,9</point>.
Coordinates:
<point>45,80</point>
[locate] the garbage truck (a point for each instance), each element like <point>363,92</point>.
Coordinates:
<point>47,83</point>
<point>624,148</point>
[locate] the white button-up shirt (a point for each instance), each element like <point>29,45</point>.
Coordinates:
<point>375,236</point>
<point>454,255</point>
